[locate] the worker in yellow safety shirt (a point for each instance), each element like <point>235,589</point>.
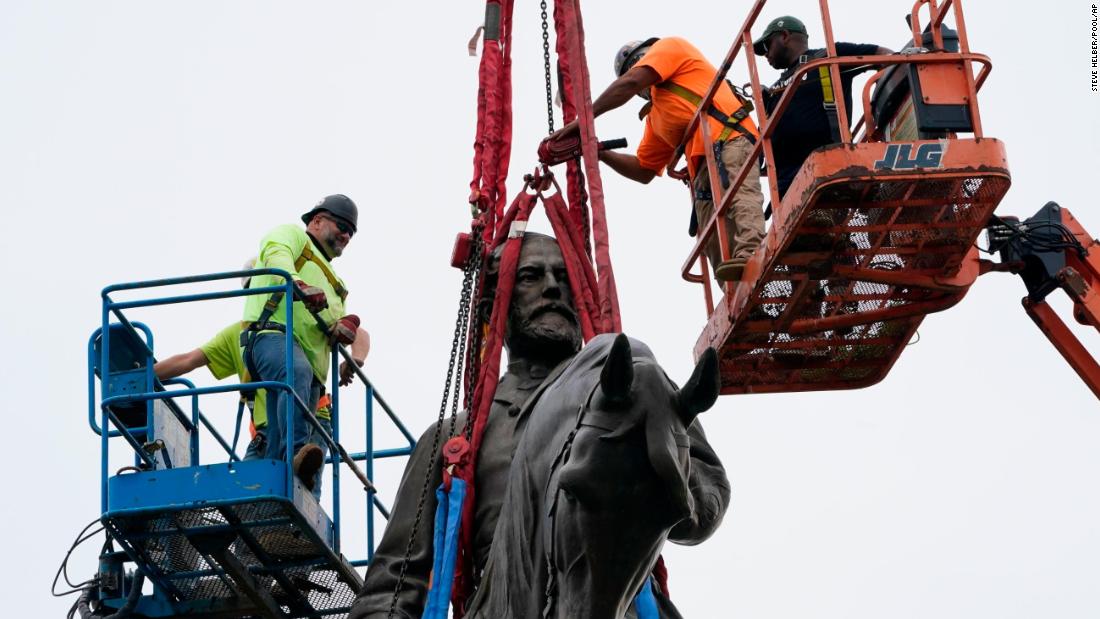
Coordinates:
<point>306,255</point>
<point>222,356</point>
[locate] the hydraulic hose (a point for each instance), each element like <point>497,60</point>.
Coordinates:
<point>127,609</point>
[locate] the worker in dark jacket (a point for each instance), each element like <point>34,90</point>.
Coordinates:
<point>542,335</point>
<point>805,124</point>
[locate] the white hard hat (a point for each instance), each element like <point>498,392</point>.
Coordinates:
<point>630,54</point>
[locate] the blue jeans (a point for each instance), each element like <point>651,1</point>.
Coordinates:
<point>269,359</point>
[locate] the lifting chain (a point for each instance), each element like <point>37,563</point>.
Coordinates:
<point>546,67</point>
<point>473,359</point>
<point>471,274</point>
<point>469,354</point>
<point>473,368</point>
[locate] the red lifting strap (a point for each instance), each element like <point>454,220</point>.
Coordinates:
<point>578,194</point>
<point>596,298</point>
<point>582,283</point>
<point>493,142</point>
<point>483,397</point>
<point>576,98</point>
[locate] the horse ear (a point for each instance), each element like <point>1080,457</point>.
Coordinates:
<point>618,370</point>
<point>702,388</point>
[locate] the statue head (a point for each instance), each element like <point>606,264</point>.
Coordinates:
<point>542,321</point>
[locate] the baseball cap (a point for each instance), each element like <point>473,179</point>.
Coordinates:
<point>786,23</point>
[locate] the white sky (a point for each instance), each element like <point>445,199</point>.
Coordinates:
<point>141,140</point>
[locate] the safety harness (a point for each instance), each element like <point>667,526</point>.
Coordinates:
<point>250,330</point>
<point>828,92</point>
<point>730,122</point>
<point>828,98</point>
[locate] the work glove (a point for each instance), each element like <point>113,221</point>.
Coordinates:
<point>312,297</point>
<point>561,147</point>
<point>345,330</point>
<point>553,151</point>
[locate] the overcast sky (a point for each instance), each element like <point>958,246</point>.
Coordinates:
<point>141,140</point>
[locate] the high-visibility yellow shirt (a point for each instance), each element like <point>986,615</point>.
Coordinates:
<point>223,356</point>
<point>280,249</point>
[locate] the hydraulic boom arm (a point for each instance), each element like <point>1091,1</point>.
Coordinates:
<point>1052,251</point>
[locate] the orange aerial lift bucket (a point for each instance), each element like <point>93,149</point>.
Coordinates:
<point>860,257</point>
<point>873,234</point>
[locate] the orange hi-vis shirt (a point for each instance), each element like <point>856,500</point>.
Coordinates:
<point>676,60</point>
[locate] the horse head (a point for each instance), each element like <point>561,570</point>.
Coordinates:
<point>621,482</point>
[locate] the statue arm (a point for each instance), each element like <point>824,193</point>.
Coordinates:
<point>373,601</point>
<point>709,488</point>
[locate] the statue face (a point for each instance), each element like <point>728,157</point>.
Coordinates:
<point>543,321</point>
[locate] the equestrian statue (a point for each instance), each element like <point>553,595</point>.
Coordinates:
<point>590,460</point>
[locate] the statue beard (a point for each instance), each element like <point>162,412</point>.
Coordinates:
<point>548,332</point>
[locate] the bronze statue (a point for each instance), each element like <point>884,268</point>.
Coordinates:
<point>599,479</point>
<point>542,339</point>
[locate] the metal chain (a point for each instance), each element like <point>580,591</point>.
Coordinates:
<point>464,320</point>
<point>546,67</point>
<point>473,362</point>
<point>473,368</point>
<point>472,265</point>
<point>468,309</point>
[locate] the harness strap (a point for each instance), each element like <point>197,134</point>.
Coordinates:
<point>263,322</point>
<point>828,92</point>
<point>730,122</point>
<point>308,256</point>
<point>828,98</point>
<point>249,331</point>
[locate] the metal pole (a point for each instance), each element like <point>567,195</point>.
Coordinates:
<point>370,470</point>
<point>103,424</point>
<point>334,419</point>
<point>968,71</point>
<point>150,435</point>
<point>834,74</point>
<point>196,419</point>
<point>289,404</point>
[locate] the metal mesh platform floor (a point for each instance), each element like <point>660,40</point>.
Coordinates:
<point>197,555</point>
<point>839,291</point>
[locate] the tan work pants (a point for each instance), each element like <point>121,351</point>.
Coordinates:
<point>745,218</point>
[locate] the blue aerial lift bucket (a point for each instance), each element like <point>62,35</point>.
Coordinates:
<point>228,538</point>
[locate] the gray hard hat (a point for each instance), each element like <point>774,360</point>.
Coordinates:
<point>338,205</point>
<point>629,55</point>
<point>248,266</point>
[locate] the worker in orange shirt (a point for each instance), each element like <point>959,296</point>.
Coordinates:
<point>672,75</point>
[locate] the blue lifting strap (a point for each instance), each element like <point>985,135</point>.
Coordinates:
<point>448,517</point>
<point>645,603</point>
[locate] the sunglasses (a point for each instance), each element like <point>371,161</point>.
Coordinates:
<point>764,44</point>
<point>342,226</point>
